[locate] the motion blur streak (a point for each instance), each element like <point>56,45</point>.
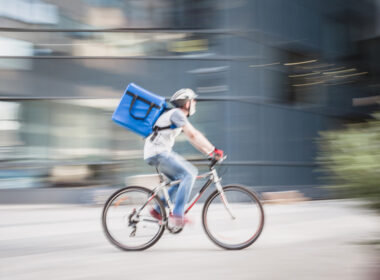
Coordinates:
<point>289,89</point>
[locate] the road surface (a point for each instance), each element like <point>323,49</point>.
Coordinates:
<point>307,240</point>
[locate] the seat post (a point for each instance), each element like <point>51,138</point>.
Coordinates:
<point>160,175</point>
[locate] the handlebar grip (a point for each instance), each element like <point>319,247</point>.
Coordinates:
<point>215,161</point>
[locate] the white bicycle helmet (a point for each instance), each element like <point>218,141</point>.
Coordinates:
<point>181,96</point>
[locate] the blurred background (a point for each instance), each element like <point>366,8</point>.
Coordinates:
<point>280,82</point>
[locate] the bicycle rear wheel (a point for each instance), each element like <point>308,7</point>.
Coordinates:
<point>237,228</point>
<point>129,225</point>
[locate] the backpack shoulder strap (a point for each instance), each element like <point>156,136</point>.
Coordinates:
<point>156,128</point>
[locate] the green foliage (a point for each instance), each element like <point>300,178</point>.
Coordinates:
<point>351,159</point>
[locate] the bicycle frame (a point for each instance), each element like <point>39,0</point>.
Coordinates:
<point>213,178</point>
<point>132,218</point>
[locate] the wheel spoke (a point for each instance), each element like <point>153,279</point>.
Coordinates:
<point>233,219</point>
<point>128,228</point>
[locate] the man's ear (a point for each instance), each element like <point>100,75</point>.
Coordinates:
<point>187,105</point>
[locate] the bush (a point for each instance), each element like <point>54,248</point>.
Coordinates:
<point>351,159</point>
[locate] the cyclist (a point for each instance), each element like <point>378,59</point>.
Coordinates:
<point>158,151</point>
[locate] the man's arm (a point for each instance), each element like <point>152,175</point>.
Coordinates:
<point>197,139</point>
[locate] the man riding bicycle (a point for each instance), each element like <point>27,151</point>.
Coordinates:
<point>158,151</point>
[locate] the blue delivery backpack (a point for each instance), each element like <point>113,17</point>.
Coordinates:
<point>139,109</point>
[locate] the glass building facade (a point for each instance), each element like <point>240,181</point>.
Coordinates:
<point>270,75</point>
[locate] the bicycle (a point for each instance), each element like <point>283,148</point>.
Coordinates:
<point>232,216</point>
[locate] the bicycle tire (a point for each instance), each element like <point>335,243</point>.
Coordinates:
<point>206,216</point>
<point>111,237</point>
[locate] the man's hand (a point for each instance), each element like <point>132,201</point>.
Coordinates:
<point>217,154</point>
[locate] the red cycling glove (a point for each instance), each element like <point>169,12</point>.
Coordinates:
<point>216,153</point>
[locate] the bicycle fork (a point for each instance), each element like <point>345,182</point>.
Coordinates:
<point>219,187</point>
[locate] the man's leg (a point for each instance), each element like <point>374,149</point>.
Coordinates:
<point>155,161</point>
<point>171,191</point>
<point>175,166</point>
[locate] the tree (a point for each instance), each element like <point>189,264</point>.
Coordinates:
<point>351,159</point>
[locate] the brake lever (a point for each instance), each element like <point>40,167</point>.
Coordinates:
<point>223,158</point>
<point>214,161</point>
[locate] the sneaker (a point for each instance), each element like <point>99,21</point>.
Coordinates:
<point>178,221</point>
<point>155,214</point>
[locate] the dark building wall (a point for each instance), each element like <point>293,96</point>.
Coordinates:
<point>247,106</point>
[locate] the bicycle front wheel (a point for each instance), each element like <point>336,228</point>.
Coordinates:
<point>234,221</point>
<point>127,222</point>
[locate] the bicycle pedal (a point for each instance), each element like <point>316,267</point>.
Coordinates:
<point>175,230</point>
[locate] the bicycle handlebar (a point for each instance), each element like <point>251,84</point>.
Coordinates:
<point>215,161</point>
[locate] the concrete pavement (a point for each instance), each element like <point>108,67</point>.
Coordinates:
<point>306,240</point>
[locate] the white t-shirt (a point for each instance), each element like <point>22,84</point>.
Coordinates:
<point>164,141</point>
